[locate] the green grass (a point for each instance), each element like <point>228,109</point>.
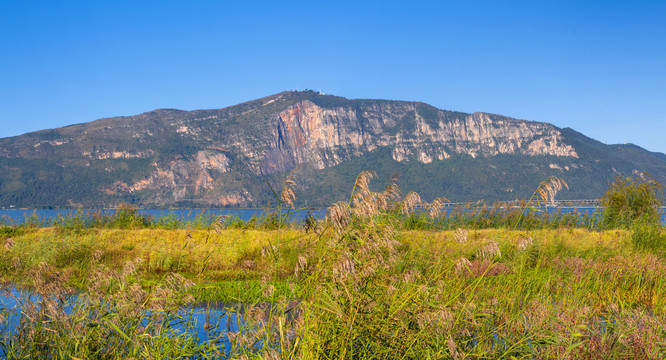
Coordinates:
<point>372,281</point>
<point>570,291</point>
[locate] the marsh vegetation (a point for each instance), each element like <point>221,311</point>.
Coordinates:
<point>383,276</point>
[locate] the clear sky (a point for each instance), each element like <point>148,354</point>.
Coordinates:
<point>596,66</point>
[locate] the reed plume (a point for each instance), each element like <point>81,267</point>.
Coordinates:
<point>489,251</point>
<point>410,202</point>
<point>462,266</point>
<point>390,194</point>
<point>461,236</point>
<point>302,264</point>
<point>546,191</point>
<point>220,222</point>
<point>435,208</point>
<point>548,188</point>
<point>362,183</point>
<point>287,195</point>
<point>338,215</point>
<point>525,242</point>
<point>364,202</point>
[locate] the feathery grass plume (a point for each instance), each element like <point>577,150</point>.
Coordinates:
<point>360,192</point>
<point>302,264</point>
<point>362,183</point>
<point>546,191</point>
<point>489,251</point>
<point>390,194</point>
<point>287,195</point>
<point>461,236</point>
<point>524,242</point>
<point>462,266</point>
<point>365,206</point>
<point>48,281</point>
<point>344,267</point>
<point>339,216</point>
<point>220,222</point>
<point>268,290</point>
<point>271,354</point>
<point>97,255</point>
<point>171,294</point>
<point>52,286</point>
<point>248,265</point>
<point>435,208</point>
<point>364,203</point>
<point>548,188</point>
<point>270,251</point>
<point>453,349</point>
<point>410,202</point>
<point>176,282</point>
<point>130,267</point>
<point>438,322</point>
<point>411,276</point>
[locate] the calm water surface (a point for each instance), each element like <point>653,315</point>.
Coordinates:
<point>46,217</point>
<point>203,321</point>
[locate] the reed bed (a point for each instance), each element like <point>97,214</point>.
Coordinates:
<point>377,279</point>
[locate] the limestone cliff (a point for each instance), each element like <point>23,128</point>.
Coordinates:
<point>309,134</point>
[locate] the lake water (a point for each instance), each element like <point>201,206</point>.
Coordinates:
<point>46,217</point>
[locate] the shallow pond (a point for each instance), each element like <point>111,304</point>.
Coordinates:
<point>205,322</point>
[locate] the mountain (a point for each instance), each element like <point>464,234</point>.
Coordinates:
<point>233,156</point>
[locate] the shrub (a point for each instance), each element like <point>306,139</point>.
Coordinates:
<point>647,235</point>
<point>127,217</point>
<point>9,231</point>
<point>628,199</point>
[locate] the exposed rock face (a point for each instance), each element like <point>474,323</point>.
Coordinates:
<point>180,174</point>
<point>209,160</point>
<point>307,133</point>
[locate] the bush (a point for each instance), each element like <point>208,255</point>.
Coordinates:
<point>127,217</point>
<point>628,199</point>
<point>647,235</point>
<point>9,231</point>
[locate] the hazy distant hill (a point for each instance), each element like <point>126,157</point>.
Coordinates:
<point>227,157</point>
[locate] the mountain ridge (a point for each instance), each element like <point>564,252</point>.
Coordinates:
<point>224,157</point>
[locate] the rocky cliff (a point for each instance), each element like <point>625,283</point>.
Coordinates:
<point>309,134</point>
<point>224,157</point>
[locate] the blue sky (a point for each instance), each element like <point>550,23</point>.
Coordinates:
<point>596,66</point>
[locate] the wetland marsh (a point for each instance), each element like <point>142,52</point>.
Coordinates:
<point>374,279</point>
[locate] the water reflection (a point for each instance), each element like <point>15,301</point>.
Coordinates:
<point>204,322</point>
